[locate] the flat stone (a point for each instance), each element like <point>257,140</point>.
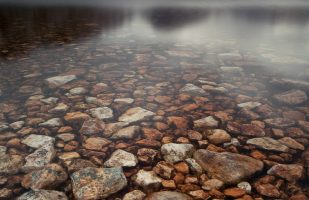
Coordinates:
<point>192,90</point>
<point>173,152</point>
<point>37,141</point>
<point>207,122</point>
<point>168,195</point>
<point>268,143</point>
<point>228,167</point>
<point>92,127</point>
<point>76,117</point>
<point>51,123</point>
<point>96,143</point>
<point>291,172</point>
<point>124,100</point>
<point>249,105</point>
<point>60,108</point>
<point>49,177</point>
<point>57,81</point>
<point>39,158</point>
<point>121,158</point>
<point>50,100</point>
<point>290,142</point>
<point>291,97</point>
<point>43,195</point>
<point>279,122</point>
<point>135,115</point>
<point>101,113</point>
<point>10,164</point>
<point>134,195</point>
<point>148,180</point>
<point>66,137</point>
<point>304,125</point>
<point>78,91</point>
<point>68,156</point>
<point>129,132</point>
<point>111,128</point>
<point>97,183</point>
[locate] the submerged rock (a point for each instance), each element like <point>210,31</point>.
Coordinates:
<point>57,81</point>
<point>97,183</point>
<point>207,122</point>
<point>48,177</point>
<point>54,122</point>
<point>92,127</point>
<point>135,114</point>
<point>165,195</point>
<point>134,195</point>
<point>10,164</point>
<point>292,97</point>
<point>192,90</point>
<point>268,143</point>
<point>228,167</point>
<point>148,180</point>
<point>39,158</point>
<point>37,141</point>
<point>121,158</point>
<point>43,195</point>
<point>101,113</point>
<point>291,172</point>
<point>129,132</point>
<point>173,152</point>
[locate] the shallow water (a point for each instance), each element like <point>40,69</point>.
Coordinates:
<point>236,53</point>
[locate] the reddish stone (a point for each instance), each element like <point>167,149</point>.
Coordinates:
<point>179,122</point>
<point>151,133</point>
<point>234,192</point>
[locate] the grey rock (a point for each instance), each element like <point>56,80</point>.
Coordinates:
<point>37,141</point>
<point>10,164</point>
<point>101,113</point>
<point>148,180</point>
<point>268,143</point>
<point>57,81</point>
<point>39,158</point>
<point>173,152</point>
<point>121,158</point>
<point>54,122</point>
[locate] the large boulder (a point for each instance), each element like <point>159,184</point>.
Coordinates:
<point>97,183</point>
<point>228,167</point>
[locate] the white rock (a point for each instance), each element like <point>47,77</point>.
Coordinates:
<point>245,186</point>
<point>58,81</point>
<point>37,141</point>
<point>147,180</point>
<point>101,113</point>
<point>121,158</point>
<point>43,195</point>
<point>135,114</point>
<point>173,152</point>
<point>60,108</point>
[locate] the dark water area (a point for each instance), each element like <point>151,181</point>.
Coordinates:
<point>92,78</point>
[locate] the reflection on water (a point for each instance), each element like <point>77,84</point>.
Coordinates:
<point>244,67</point>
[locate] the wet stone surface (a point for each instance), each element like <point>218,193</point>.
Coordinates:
<point>87,114</point>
